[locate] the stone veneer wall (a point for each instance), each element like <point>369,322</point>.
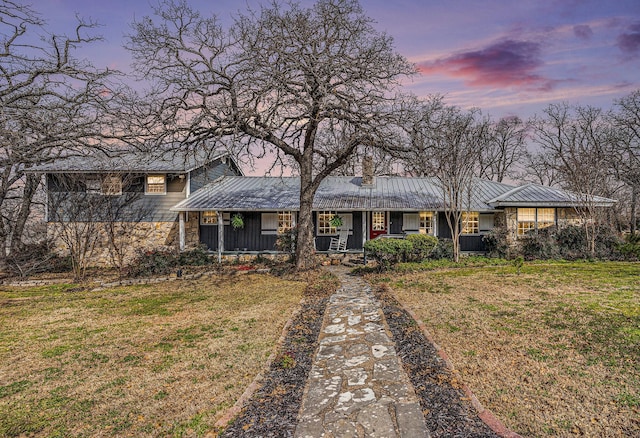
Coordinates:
<point>144,235</point>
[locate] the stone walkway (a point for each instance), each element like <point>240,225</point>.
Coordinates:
<point>357,387</point>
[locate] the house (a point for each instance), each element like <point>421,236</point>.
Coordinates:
<point>390,205</point>
<point>196,197</point>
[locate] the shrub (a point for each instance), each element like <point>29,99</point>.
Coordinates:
<point>286,242</point>
<point>443,250</point>
<point>542,245</point>
<point>194,257</point>
<point>388,252</point>
<point>496,242</point>
<point>630,249</point>
<point>34,258</point>
<point>572,242</point>
<point>165,261</point>
<point>422,246</point>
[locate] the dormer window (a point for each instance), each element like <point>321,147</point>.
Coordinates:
<point>156,185</point>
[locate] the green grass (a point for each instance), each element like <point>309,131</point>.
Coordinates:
<point>561,336</point>
<point>158,360</point>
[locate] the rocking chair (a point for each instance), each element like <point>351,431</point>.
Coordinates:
<point>339,243</point>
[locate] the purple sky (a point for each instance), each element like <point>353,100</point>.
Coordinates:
<point>505,57</point>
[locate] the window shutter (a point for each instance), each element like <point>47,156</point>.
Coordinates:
<point>411,222</point>
<point>269,223</point>
<point>347,222</point>
<point>486,222</point>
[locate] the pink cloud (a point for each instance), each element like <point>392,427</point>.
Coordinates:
<point>583,31</point>
<point>629,42</point>
<point>505,63</point>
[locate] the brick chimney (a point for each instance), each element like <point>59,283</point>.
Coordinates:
<point>367,171</point>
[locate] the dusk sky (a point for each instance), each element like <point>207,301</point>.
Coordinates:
<point>504,57</point>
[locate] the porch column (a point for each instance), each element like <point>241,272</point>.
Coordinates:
<point>220,235</point>
<point>181,230</point>
<point>435,224</point>
<point>365,228</point>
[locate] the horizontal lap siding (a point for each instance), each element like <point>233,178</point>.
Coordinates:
<point>140,208</point>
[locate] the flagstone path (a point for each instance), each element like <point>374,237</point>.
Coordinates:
<point>357,386</point>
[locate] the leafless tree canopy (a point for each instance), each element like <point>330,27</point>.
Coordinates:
<point>445,143</point>
<point>50,102</point>
<point>575,146</point>
<point>504,150</point>
<point>310,84</point>
<point>625,151</point>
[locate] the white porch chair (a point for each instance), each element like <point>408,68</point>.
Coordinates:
<point>339,243</point>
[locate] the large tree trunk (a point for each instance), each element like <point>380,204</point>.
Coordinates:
<point>30,187</point>
<point>304,246</point>
<point>634,201</point>
<point>305,249</point>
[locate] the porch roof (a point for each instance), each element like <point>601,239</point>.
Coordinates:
<point>533,195</point>
<point>339,193</point>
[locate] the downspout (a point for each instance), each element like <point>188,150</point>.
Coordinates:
<point>220,235</point>
<point>181,230</point>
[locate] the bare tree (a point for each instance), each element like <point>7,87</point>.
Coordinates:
<point>504,149</point>
<point>49,103</point>
<point>539,168</point>
<point>87,216</point>
<point>625,153</point>
<point>575,146</point>
<point>308,84</point>
<point>445,143</point>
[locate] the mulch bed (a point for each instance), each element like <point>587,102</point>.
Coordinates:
<point>447,411</point>
<point>272,410</point>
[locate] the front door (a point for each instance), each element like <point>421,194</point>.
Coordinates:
<point>378,224</point>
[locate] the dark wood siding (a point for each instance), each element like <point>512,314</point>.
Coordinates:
<point>467,242</point>
<point>395,222</point>
<point>443,226</point>
<point>249,238</point>
<point>472,243</point>
<point>209,236</point>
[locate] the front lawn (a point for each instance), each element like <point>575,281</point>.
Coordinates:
<point>157,360</point>
<point>552,350</point>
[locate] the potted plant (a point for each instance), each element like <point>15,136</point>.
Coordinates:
<point>336,221</point>
<point>237,221</point>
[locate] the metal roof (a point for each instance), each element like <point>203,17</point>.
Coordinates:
<point>537,195</point>
<point>339,193</point>
<point>168,158</point>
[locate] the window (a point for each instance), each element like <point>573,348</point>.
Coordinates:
<point>324,223</point>
<point>156,185</point>
<point>546,217</point>
<point>285,221</point>
<point>526,220</point>
<point>112,185</point>
<point>531,219</point>
<point>426,222</point>
<point>378,221</point>
<point>470,222</point>
<point>209,218</point>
